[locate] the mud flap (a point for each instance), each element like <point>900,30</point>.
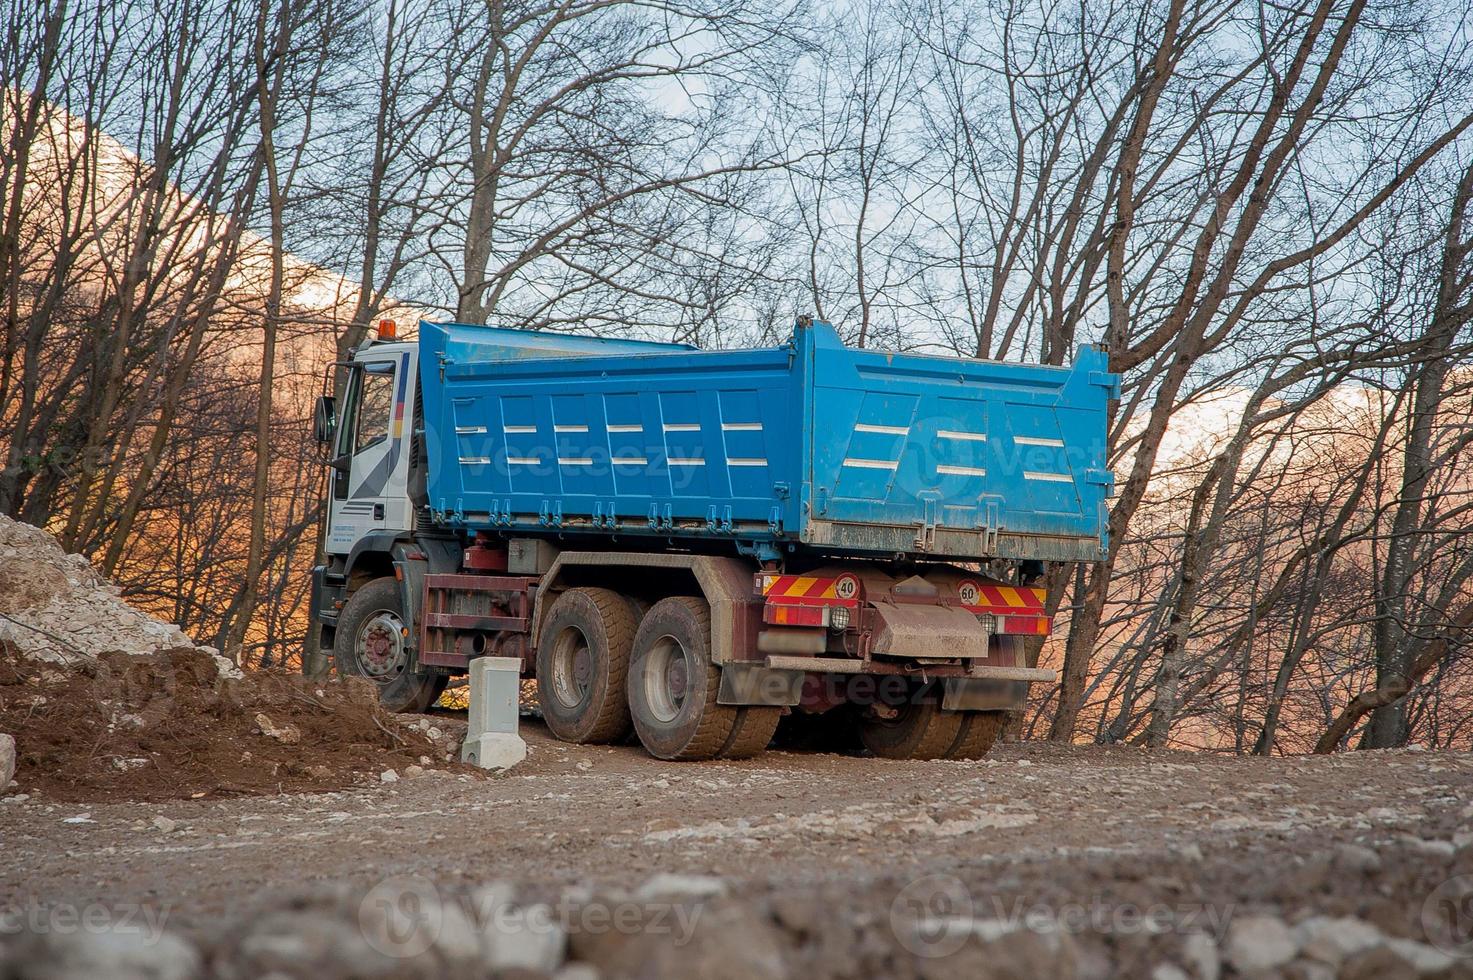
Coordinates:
<point>754,684</point>
<point>930,632</point>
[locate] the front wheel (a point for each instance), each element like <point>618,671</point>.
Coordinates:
<point>373,641</point>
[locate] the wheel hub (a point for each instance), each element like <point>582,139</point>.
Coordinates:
<point>666,679</point>
<point>572,668</point>
<point>381,648</point>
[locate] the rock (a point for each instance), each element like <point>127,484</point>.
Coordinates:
<point>388,776</point>
<point>1309,970</point>
<point>411,771</point>
<point>584,765</point>
<point>17,798</point>
<point>1259,943</point>
<point>1419,957</point>
<point>7,758</point>
<point>79,818</point>
<point>1353,857</point>
<point>1169,971</point>
<point>1379,963</point>
<point>1199,952</point>
<point>117,953</point>
<point>525,939</point>
<point>1433,848</point>
<point>1009,952</point>
<point>731,941</point>
<point>665,885</point>
<point>310,942</point>
<point>577,971</point>
<point>164,824</point>
<point>1332,941</point>
<point>285,734</point>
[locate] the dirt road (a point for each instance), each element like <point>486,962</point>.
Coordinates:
<point>1039,860</point>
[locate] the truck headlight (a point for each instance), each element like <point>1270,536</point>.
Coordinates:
<point>838,618</point>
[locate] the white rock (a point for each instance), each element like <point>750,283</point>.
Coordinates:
<point>1199,950</point>
<point>531,939</point>
<point>1332,941</point>
<point>388,776</point>
<point>1259,943</point>
<point>577,971</point>
<point>1169,971</point>
<point>1420,957</point>
<point>7,758</point>
<point>137,954</point>
<point>1434,848</point>
<point>1353,857</point>
<point>164,824</point>
<point>584,765</point>
<point>79,818</point>
<point>17,798</point>
<point>665,885</point>
<point>285,734</point>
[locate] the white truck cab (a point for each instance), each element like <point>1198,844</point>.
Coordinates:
<point>372,446</point>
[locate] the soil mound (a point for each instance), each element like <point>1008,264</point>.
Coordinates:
<point>167,725</point>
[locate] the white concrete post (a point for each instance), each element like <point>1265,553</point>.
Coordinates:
<point>491,740</point>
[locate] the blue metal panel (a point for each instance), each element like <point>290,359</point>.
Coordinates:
<point>807,442</point>
<point>960,444</point>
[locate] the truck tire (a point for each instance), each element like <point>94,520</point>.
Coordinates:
<point>915,728</point>
<point>583,664</point>
<point>373,641</point>
<point>979,732</point>
<point>751,733</point>
<point>673,683</point>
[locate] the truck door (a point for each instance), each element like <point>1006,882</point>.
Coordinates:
<point>367,476</point>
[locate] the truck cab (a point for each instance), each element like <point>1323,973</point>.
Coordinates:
<point>371,449</point>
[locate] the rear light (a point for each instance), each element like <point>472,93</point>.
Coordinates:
<point>838,618</point>
<point>775,615</point>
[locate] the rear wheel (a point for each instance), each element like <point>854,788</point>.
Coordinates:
<point>673,684</point>
<point>582,665</point>
<point>979,732</point>
<point>751,733</point>
<point>373,641</point>
<point>910,727</point>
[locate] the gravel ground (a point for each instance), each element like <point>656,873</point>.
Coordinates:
<point>1038,861</point>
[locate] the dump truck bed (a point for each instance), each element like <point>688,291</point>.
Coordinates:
<point>809,445</point>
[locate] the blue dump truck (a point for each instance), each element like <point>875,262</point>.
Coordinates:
<point>691,545</point>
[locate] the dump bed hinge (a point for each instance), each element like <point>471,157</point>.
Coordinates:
<point>930,509</point>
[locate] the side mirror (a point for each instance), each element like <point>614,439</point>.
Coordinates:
<point>325,419</point>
